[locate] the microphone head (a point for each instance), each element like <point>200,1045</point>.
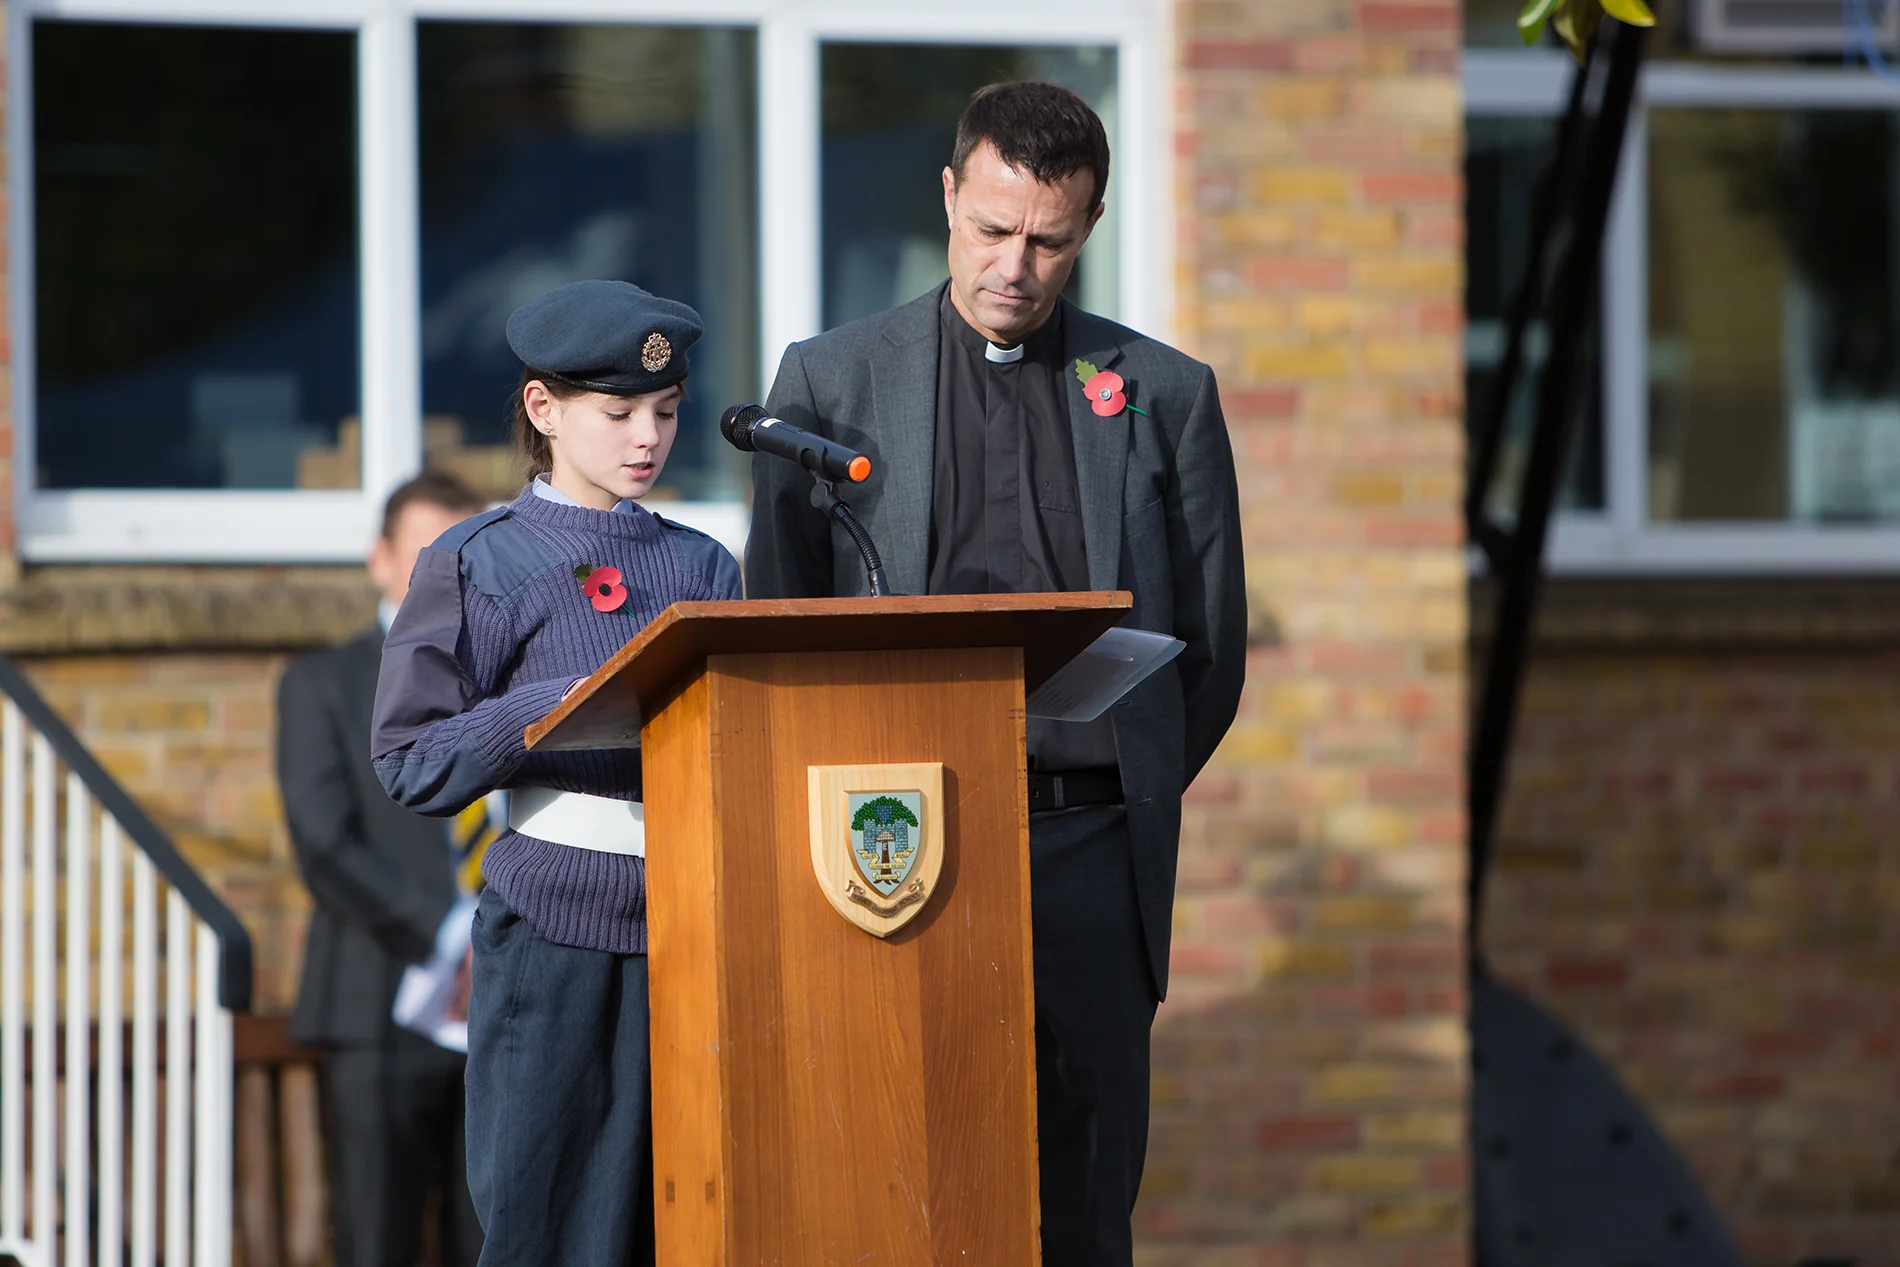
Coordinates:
<point>736,425</point>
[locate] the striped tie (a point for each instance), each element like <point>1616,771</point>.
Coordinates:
<point>470,834</point>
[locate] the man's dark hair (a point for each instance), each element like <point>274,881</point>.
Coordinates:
<point>1040,128</point>
<point>431,488</point>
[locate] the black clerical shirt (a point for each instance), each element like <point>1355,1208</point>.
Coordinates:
<point>1005,513</point>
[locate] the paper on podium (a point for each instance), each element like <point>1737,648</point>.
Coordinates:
<point>1108,668</point>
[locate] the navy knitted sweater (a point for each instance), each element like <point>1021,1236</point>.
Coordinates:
<point>494,630</point>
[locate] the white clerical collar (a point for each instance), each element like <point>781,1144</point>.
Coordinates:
<point>1002,356</point>
<point>548,493</point>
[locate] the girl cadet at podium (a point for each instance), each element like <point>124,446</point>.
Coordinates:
<point>506,613</point>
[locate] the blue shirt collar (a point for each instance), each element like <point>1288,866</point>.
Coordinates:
<point>547,492</point>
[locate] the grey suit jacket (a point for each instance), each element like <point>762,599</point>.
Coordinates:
<point>1160,516</point>
<point>380,874</point>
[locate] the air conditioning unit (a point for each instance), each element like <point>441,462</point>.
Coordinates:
<point>1792,26</point>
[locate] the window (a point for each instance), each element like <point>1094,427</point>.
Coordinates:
<point>894,108</point>
<point>1745,393</point>
<point>268,253</point>
<point>1774,347</point>
<point>553,153</point>
<point>197,269</point>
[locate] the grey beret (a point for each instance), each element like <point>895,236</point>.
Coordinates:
<point>606,337</point>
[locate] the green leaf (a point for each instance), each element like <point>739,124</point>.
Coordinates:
<point>1576,25</point>
<point>1084,371</point>
<point>1633,12</point>
<point>1530,22</point>
<point>584,571</point>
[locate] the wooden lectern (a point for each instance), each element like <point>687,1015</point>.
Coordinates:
<point>824,1094</point>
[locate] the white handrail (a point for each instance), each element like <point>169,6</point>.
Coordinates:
<point>111,1043</point>
<point>177,1080</point>
<point>89,1175</point>
<point>12,977</point>
<point>144,1063</point>
<point>44,817</point>
<point>78,887</point>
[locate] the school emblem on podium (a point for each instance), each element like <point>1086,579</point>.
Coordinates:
<point>877,840</point>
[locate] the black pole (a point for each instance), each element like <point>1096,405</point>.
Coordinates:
<point>1487,441</point>
<point>1521,577</point>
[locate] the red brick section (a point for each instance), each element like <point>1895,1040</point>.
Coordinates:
<point>1310,1068</point>
<point>1697,869</point>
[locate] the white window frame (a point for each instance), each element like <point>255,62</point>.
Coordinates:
<point>323,526</point>
<point>1621,538</point>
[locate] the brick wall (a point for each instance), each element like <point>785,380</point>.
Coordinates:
<point>192,737</point>
<point>1310,1072</point>
<point>1697,869</point>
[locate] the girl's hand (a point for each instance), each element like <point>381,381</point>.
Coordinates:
<point>464,983</point>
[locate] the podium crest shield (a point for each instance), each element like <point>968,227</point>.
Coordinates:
<point>877,840</point>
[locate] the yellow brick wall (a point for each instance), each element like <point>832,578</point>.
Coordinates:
<point>1310,1066</point>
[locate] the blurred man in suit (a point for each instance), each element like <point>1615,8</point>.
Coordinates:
<point>384,880</point>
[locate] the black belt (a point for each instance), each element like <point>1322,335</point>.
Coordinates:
<point>1073,788</point>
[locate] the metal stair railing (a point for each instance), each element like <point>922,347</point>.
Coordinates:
<point>107,1155</point>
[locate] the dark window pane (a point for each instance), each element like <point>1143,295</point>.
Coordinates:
<point>890,120</point>
<point>1504,160</point>
<point>1774,331</point>
<point>553,153</point>
<point>195,248</point>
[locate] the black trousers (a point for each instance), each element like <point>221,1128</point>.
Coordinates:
<point>1095,1006</point>
<point>396,1131</point>
<point>560,1145</point>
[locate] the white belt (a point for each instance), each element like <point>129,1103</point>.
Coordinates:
<point>600,823</point>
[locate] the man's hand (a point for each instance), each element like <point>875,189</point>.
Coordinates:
<point>464,984</point>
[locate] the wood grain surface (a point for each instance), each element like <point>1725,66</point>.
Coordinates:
<point>823,1096</point>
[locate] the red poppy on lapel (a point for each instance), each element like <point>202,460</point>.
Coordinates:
<point>1106,391</point>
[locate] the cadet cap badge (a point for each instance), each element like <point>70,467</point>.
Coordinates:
<point>655,353</point>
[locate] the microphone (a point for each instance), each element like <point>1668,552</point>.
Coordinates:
<point>752,430</point>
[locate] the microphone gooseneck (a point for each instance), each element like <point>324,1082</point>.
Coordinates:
<point>824,495</point>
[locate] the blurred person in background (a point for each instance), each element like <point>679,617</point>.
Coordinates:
<point>388,884</point>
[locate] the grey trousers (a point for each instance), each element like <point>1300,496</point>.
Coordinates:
<point>560,1147</point>
<point>394,1112</point>
<point>1095,1006</point>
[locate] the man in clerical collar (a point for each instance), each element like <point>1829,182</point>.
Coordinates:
<point>1025,445</point>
